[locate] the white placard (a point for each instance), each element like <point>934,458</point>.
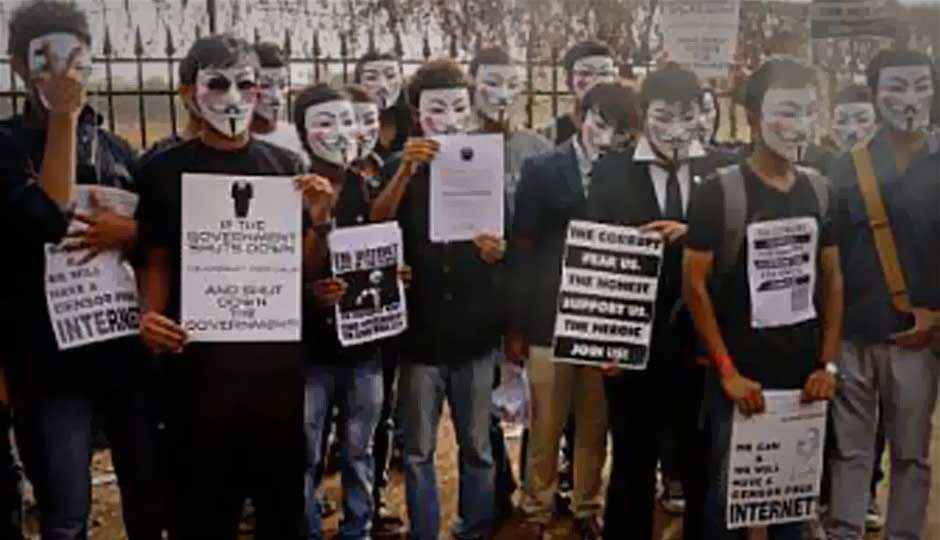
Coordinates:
<point>242,248</point>
<point>96,300</point>
<point>467,187</point>
<point>701,35</point>
<point>607,298</point>
<point>781,269</point>
<point>776,461</point>
<point>367,258</point>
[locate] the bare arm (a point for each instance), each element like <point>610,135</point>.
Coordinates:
<point>385,206</point>
<point>153,280</point>
<point>57,174</point>
<point>832,304</point>
<point>697,267</point>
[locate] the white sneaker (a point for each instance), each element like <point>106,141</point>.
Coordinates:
<point>874,522</point>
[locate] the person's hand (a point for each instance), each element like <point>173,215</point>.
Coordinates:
<point>921,334</point>
<point>492,248</point>
<point>318,195</point>
<point>63,88</point>
<point>404,274</point>
<point>417,151</point>
<point>671,231</point>
<point>820,386</point>
<point>104,230</point>
<point>517,348</point>
<point>160,334</point>
<point>745,393</point>
<point>611,368</point>
<point>328,292</point>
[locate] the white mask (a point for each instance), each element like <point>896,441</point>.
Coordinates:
<point>331,131</point>
<point>498,88</point>
<point>61,45</point>
<point>707,117</point>
<point>905,94</point>
<point>852,124</point>
<point>271,85</point>
<point>671,127</point>
<point>590,71</point>
<point>382,79</point>
<point>597,135</point>
<point>787,120</point>
<point>367,122</point>
<point>444,111</point>
<point>226,98</point>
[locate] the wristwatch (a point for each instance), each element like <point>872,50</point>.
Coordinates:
<point>832,368</point>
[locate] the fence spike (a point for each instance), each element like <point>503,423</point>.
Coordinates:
<point>399,48</point>
<point>371,40</point>
<point>257,36</point>
<point>343,46</point>
<point>170,48</point>
<point>107,49</point>
<point>287,43</point>
<point>138,43</point>
<point>198,32</point>
<point>316,45</point>
<point>426,49</point>
<point>453,46</point>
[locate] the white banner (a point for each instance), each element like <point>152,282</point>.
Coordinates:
<point>607,298</point>
<point>242,248</point>
<point>97,300</point>
<point>367,258</point>
<point>776,461</point>
<point>701,35</point>
<point>781,270</point>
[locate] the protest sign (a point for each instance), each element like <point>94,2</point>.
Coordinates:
<point>367,258</point>
<point>775,463</point>
<point>781,269</point>
<point>607,298</point>
<point>92,300</point>
<point>851,18</point>
<point>701,35</point>
<point>242,248</point>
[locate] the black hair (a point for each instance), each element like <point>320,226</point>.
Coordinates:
<point>671,84</point>
<point>358,94</point>
<point>489,56</point>
<point>616,103</point>
<point>895,58</point>
<point>270,55</point>
<point>775,73</point>
<point>435,75</point>
<point>717,123</point>
<point>581,50</point>
<point>853,93</point>
<point>218,51</point>
<point>371,56</point>
<point>308,97</point>
<point>40,17</point>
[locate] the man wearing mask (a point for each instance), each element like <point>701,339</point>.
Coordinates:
<point>45,153</point>
<point>238,406</point>
<point>267,125</point>
<point>381,75</point>
<point>754,340</point>
<point>554,190</point>
<point>652,189</point>
<point>455,318</point>
<point>586,64</point>
<point>886,356</point>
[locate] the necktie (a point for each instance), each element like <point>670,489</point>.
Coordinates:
<point>673,210</point>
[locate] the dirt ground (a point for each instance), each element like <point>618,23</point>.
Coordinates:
<point>106,520</point>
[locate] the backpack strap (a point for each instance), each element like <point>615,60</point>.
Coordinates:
<point>881,229</point>
<point>735,217</point>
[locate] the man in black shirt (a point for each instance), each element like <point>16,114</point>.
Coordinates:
<point>45,154</point>
<point>237,417</point>
<point>771,338</point>
<point>455,318</point>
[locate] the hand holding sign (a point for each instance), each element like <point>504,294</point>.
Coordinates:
<point>328,292</point>
<point>318,195</point>
<point>105,230</point>
<point>747,394</point>
<point>492,247</point>
<point>416,153</point>
<point>160,334</point>
<point>672,231</point>
<point>820,386</point>
<point>63,88</point>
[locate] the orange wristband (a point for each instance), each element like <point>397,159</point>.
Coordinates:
<point>724,365</point>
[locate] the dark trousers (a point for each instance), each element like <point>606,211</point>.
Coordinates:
<point>640,406</point>
<point>237,436</point>
<point>54,433</point>
<point>383,432</point>
<point>11,494</point>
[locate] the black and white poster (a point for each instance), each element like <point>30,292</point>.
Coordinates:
<point>851,18</point>
<point>92,300</point>
<point>701,35</point>
<point>776,460</point>
<point>241,262</point>
<point>781,269</point>
<point>367,258</point>
<point>607,297</point>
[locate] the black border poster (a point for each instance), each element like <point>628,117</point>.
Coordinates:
<point>607,297</point>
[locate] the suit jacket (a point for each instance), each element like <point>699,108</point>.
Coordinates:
<point>550,194</point>
<point>622,193</point>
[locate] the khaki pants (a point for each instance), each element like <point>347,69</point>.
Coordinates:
<point>557,389</point>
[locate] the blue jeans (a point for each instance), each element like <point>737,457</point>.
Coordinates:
<point>719,412</point>
<point>467,384</point>
<point>355,387</point>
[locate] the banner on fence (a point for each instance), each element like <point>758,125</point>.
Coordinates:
<point>851,18</point>
<point>701,35</point>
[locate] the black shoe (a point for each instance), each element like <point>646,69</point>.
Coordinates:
<point>504,512</point>
<point>589,528</point>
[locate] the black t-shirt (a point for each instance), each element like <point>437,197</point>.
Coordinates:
<point>780,357</point>
<point>159,214</point>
